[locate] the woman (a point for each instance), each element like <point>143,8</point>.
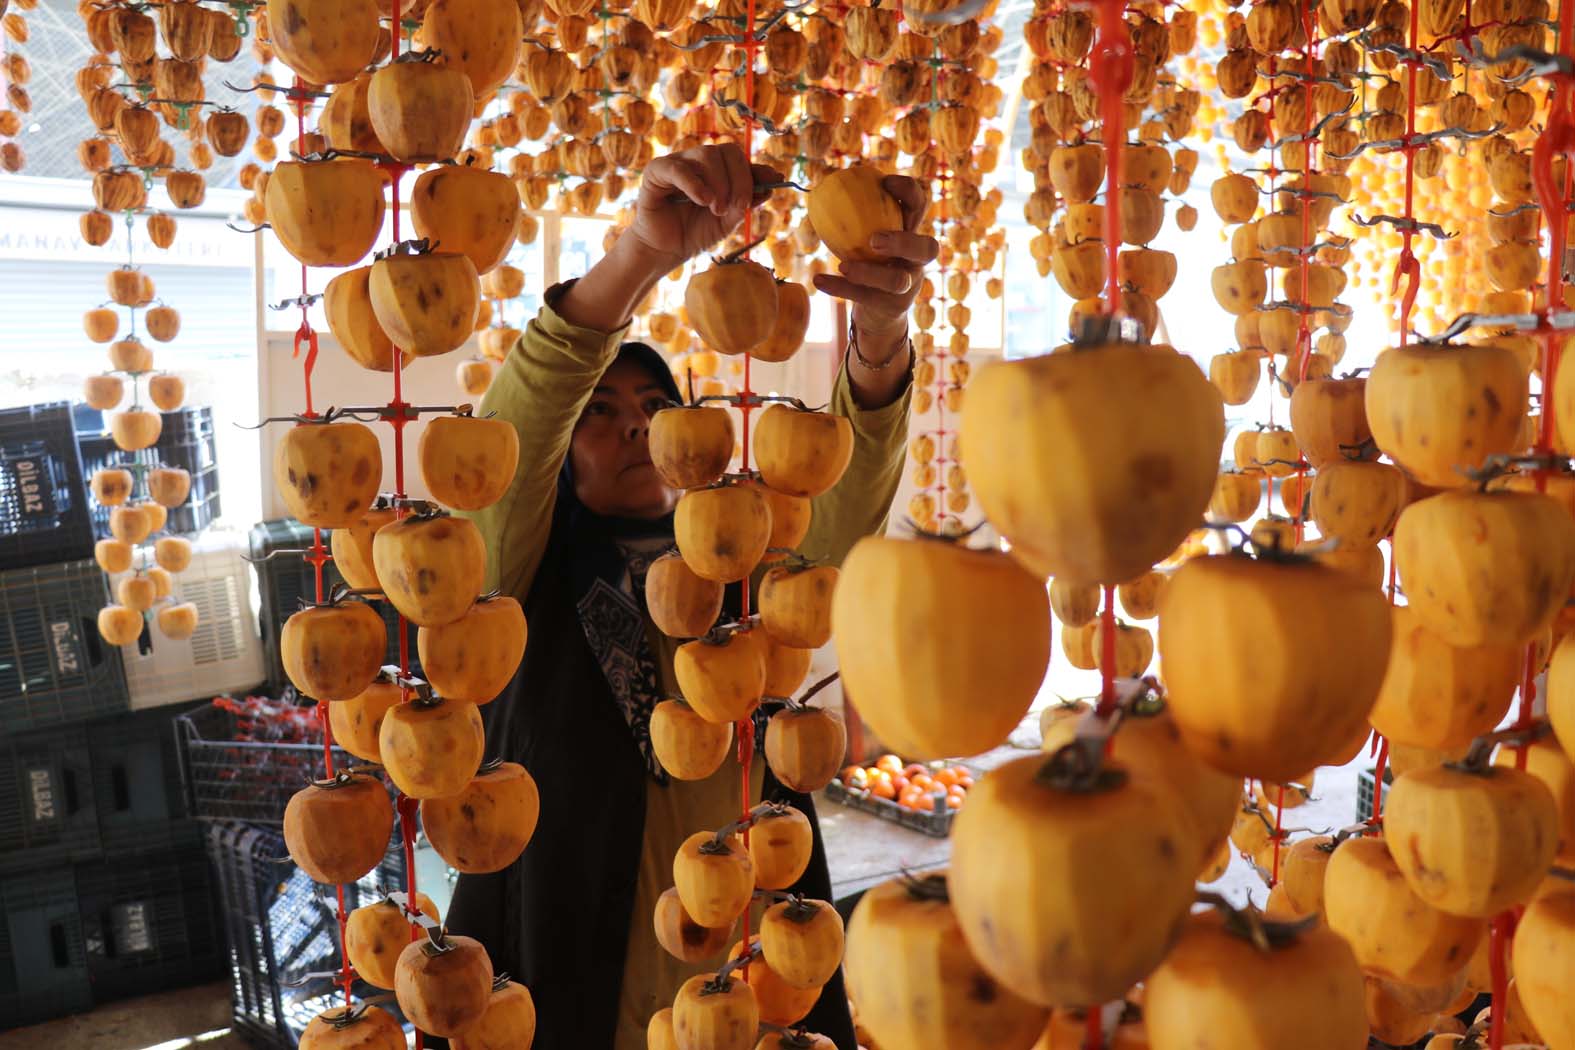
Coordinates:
<point>585,516</point>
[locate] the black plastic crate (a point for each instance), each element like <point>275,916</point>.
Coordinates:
<point>187,440</point>
<point>285,581</point>
<point>936,823</point>
<point>43,969</point>
<point>242,760</point>
<point>282,928</point>
<point>150,923</point>
<point>47,814</point>
<point>54,667</point>
<point>136,782</point>
<point>44,506</point>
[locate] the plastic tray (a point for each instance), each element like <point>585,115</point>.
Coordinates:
<point>936,823</point>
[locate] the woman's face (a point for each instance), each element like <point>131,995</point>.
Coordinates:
<point>613,475</point>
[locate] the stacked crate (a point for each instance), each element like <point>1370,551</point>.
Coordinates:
<point>105,886</point>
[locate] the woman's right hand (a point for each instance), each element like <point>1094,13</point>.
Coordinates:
<point>690,200</point>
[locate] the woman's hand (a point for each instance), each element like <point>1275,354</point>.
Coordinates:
<point>689,201</point>
<point>883,292</point>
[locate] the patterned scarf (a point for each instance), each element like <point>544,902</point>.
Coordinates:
<point>607,559</point>
<point>613,619</point>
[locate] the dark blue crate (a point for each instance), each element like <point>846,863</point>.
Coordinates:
<point>187,440</point>
<point>55,669</point>
<point>47,811</point>
<point>150,922</point>
<point>284,582</point>
<point>137,793</point>
<point>43,968</point>
<point>282,927</point>
<point>45,512</point>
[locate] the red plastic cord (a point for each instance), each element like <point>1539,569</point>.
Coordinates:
<point>746,725</point>
<point>1110,69</point>
<point>1279,816</point>
<point>397,417</point>
<point>1107,653</point>
<point>317,556</point>
<point>1556,138</point>
<point>1407,266</point>
<point>1379,768</point>
<point>1499,933</point>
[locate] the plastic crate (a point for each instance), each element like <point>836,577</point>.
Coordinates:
<point>281,927</point>
<point>99,452</point>
<point>937,823</point>
<point>54,667</point>
<point>285,581</point>
<point>187,440</point>
<point>150,923</point>
<point>43,969</point>
<point>47,813</point>
<point>229,768</point>
<point>225,653</point>
<point>1366,780</point>
<point>44,509</point>
<point>137,793</point>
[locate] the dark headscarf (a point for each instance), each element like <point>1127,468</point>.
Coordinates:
<point>606,559</point>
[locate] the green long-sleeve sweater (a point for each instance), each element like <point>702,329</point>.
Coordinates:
<point>541,388</point>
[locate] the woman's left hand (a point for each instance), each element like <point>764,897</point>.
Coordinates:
<point>883,292</point>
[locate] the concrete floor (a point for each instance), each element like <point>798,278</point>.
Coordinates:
<point>186,1019</point>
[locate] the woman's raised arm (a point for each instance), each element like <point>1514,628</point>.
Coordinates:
<point>688,201</point>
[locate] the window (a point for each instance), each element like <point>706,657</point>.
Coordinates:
<point>49,277</point>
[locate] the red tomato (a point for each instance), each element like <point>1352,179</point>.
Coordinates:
<point>900,782</point>
<point>890,763</point>
<point>965,781</point>
<point>946,777</point>
<point>882,789</point>
<point>956,799</point>
<point>913,769</point>
<point>922,780</point>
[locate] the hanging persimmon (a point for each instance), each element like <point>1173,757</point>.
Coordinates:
<point>430,566</point>
<point>375,935</point>
<point>444,985</point>
<point>487,824</point>
<point>338,830</point>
